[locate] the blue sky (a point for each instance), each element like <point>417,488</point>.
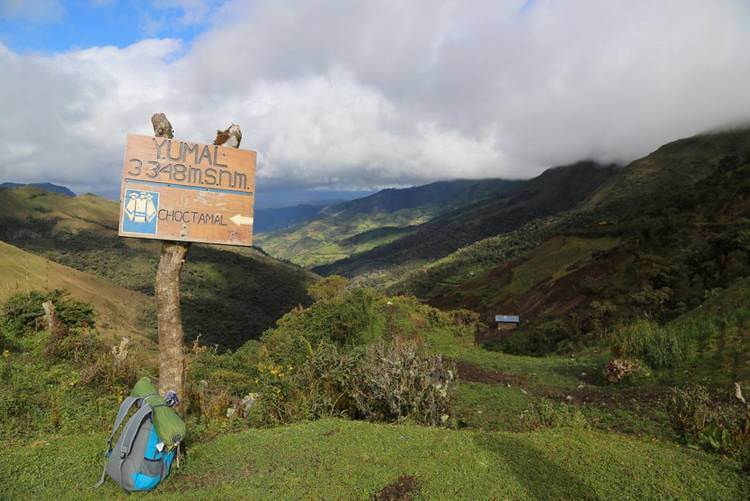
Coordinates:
<point>51,26</point>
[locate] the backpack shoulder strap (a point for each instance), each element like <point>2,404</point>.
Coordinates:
<point>124,408</point>
<point>121,413</point>
<point>129,432</point>
<point>132,427</point>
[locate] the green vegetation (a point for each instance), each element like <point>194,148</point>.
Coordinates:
<point>514,425</point>
<point>360,225</point>
<point>119,311</point>
<point>335,459</point>
<point>625,380</point>
<point>660,347</point>
<point>556,190</point>
<point>229,294</point>
<point>22,312</point>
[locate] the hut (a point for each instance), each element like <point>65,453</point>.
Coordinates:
<point>506,322</point>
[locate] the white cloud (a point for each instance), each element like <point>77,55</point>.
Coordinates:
<point>369,94</point>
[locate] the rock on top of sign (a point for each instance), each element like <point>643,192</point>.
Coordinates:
<point>229,138</point>
<point>162,127</point>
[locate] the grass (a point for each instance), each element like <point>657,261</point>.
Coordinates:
<point>338,236</point>
<point>339,459</point>
<point>229,295</point>
<point>561,373</point>
<point>553,260</point>
<point>117,308</point>
<point>490,407</point>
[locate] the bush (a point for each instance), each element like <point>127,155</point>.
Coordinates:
<point>351,354</point>
<point>396,381</point>
<point>621,368</point>
<point>660,347</point>
<point>347,321</point>
<point>318,387</point>
<point>23,313</point>
<point>327,288</point>
<point>690,410</point>
<point>388,381</point>
<point>718,425</point>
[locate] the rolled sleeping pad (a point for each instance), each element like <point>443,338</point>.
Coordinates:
<point>169,426</point>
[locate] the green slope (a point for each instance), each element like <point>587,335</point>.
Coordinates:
<point>347,228</point>
<point>118,309</point>
<point>229,294</point>
<point>555,190</point>
<point>626,254</point>
<point>338,459</point>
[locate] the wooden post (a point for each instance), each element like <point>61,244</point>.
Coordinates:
<point>167,290</point>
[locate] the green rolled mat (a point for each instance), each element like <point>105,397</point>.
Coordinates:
<point>169,426</point>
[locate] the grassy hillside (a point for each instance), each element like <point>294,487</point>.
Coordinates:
<point>348,228</point>
<point>338,459</point>
<point>229,294</point>
<point>555,190</point>
<point>592,440</point>
<point>495,453</point>
<point>616,257</point>
<point>119,310</point>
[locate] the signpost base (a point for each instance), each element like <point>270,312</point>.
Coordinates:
<point>167,291</point>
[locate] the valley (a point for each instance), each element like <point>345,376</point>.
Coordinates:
<point>632,284</point>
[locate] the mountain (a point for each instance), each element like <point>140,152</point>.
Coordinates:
<point>118,309</point>
<point>656,239</point>
<point>52,188</point>
<point>281,217</point>
<point>229,294</point>
<point>557,189</point>
<point>345,229</point>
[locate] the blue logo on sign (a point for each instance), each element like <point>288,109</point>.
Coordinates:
<point>140,211</point>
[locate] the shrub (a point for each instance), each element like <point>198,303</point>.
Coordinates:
<point>716,424</point>
<point>319,386</point>
<point>621,368</point>
<point>396,381</point>
<point>660,347</point>
<point>23,312</point>
<point>348,321</point>
<point>690,410</point>
<point>327,288</point>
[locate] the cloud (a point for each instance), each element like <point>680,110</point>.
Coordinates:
<point>359,94</point>
<point>36,11</point>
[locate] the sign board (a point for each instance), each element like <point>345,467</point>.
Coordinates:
<point>188,192</point>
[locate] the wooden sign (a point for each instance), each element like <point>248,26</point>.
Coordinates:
<point>188,192</point>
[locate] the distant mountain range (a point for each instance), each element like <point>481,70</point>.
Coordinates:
<point>573,250</point>
<point>281,217</point>
<point>52,188</point>
<point>555,190</point>
<point>356,226</point>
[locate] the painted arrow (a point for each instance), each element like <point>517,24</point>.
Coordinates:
<point>239,220</point>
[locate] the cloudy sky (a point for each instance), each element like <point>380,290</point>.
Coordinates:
<point>366,94</point>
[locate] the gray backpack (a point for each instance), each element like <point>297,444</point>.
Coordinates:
<point>139,460</point>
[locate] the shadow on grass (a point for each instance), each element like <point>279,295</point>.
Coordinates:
<point>542,478</point>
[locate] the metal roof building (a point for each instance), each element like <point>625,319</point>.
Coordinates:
<point>507,319</point>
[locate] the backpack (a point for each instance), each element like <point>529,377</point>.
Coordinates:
<point>140,459</point>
